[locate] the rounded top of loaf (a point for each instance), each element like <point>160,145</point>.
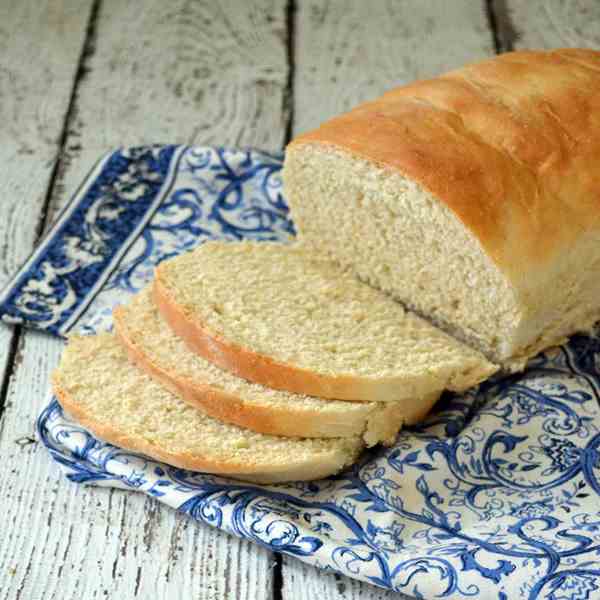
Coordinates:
<point>510,145</point>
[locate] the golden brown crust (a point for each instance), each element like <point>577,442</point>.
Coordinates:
<point>509,145</point>
<point>284,421</point>
<point>281,376</point>
<point>246,470</point>
<point>379,424</point>
<point>257,367</point>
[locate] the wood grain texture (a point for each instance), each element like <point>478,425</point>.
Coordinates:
<point>67,541</point>
<point>175,72</point>
<point>185,71</point>
<point>549,24</point>
<point>347,52</point>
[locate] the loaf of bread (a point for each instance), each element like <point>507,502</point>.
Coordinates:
<point>153,347</point>
<point>473,198</point>
<point>285,318</point>
<point>97,385</point>
<point>277,313</point>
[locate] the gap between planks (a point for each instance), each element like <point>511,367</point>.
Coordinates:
<point>501,25</point>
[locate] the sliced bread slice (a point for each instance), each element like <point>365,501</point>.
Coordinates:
<point>153,347</point>
<point>283,317</point>
<point>98,385</point>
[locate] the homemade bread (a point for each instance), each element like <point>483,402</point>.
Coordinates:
<point>473,198</point>
<point>97,384</point>
<point>153,346</point>
<point>280,316</point>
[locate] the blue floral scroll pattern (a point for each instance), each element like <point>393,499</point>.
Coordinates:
<point>98,225</point>
<point>495,496</point>
<point>220,194</point>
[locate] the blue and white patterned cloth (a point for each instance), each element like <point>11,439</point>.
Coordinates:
<point>496,496</point>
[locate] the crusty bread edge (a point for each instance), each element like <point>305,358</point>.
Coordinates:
<point>281,376</point>
<point>328,464</point>
<point>282,421</point>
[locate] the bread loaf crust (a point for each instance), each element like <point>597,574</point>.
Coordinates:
<point>378,422</point>
<point>511,146</point>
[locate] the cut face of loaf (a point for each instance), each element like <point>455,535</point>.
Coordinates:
<point>153,347</point>
<point>287,319</point>
<point>472,198</point>
<point>398,238</point>
<point>96,384</point>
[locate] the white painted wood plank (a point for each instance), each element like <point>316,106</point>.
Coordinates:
<point>205,72</point>
<point>200,72</point>
<point>549,24</point>
<point>180,72</point>
<point>346,53</point>
<point>40,45</point>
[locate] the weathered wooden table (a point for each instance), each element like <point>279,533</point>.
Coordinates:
<point>79,77</point>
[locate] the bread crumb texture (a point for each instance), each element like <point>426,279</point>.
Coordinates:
<point>98,385</point>
<point>248,404</point>
<point>292,305</point>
